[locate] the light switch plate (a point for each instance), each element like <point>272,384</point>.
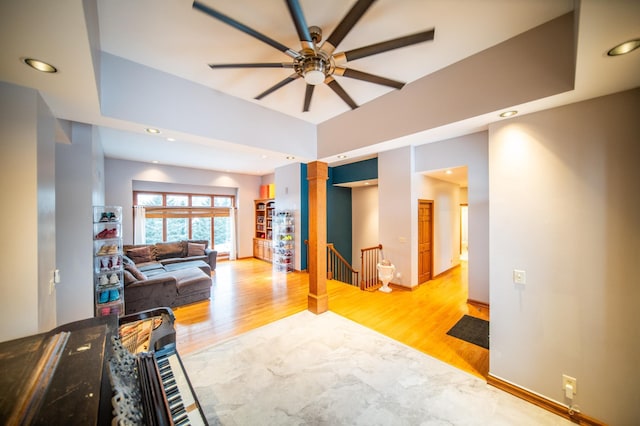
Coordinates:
<point>519,276</point>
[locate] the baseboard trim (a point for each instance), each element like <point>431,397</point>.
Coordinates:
<point>478,304</point>
<point>542,402</point>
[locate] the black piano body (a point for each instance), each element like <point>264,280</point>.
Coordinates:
<point>63,376</point>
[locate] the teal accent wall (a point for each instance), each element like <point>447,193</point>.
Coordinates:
<point>339,218</point>
<point>355,172</point>
<point>339,228</point>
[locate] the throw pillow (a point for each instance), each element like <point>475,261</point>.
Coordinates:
<point>205,242</point>
<point>140,254</point>
<point>194,249</point>
<point>169,250</point>
<point>137,274</point>
<point>128,278</point>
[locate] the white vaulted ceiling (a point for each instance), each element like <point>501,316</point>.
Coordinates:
<point>127,65</point>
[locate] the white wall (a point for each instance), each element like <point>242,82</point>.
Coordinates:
<point>364,221</point>
<point>287,182</point>
<point>470,151</point>
<point>75,195</point>
<point>120,175</point>
<point>564,207</point>
<point>398,210</point>
<point>27,219</point>
<point>446,222</point>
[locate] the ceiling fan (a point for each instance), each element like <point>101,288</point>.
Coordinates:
<point>318,63</point>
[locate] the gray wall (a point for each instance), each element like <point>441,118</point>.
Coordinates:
<point>564,207</point>
<point>470,151</point>
<point>27,218</point>
<point>120,176</point>
<point>75,196</point>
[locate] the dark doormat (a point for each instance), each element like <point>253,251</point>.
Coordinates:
<point>472,330</point>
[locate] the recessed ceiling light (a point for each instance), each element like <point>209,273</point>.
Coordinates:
<point>152,130</point>
<point>508,113</point>
<point>290,157</point>
<point>171,139</point>
<point>154,161</point>
<point>342,156</point>
<point>624,48</point>
<point>40,65</point>
<point>366,183</point>
<point>449,172</point>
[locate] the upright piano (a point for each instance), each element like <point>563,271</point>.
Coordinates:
<point>99,371</point>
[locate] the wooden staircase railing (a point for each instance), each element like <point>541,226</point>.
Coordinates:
<point>338,268</point>
<point>369,258</point>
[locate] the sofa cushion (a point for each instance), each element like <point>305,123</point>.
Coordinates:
<point>195,249</point>
<point>190,280</point>
<point>169,250</point>
<point>135,272</point>
<point>141,254</point>
<point>195,263</point>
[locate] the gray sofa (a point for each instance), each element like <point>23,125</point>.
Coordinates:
<point>166,274</point>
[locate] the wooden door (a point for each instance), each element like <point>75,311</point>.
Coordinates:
<point>425,240</point>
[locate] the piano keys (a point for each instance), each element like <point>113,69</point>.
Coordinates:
<point>67,374</point>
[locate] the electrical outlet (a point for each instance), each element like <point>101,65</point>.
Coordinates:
<point>519,276</point>
<point>569,386</point>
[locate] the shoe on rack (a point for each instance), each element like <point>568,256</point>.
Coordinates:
<point>113,217</point>
<point>114,279</point>
<point>115,310</point>
<point>114,295</point>
<point>102,234</point>
<point>113,249</point>
<point>104,250</point>
<point>104,280</point>
<point>115,261</point>
<point>104,264</point>
<point>105,311</point>
<point>104,296</point>
<point>104,217</point>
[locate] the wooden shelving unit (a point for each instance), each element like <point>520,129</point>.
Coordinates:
<point>262,240</point>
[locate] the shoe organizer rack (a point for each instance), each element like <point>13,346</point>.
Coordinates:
<point>107,260</point>
<point>283,241</point>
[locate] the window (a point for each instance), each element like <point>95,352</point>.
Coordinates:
<point>173,216</point>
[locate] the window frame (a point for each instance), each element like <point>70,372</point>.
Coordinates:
<point>189,211</point>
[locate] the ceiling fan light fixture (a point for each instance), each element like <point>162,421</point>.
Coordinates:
<point>313,71</point>
<point>314,77</point>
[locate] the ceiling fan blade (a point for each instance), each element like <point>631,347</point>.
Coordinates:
<point>340,92</point>
<point>277,86</point>
<point>301,24</point>
<point>307,97</point>
<point>347,23</point>
<point>239,26</point>
<point>371,78</point>
<point>254,65</point>
<point>385,46</point>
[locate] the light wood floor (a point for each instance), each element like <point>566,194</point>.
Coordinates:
<point>246,294</point>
